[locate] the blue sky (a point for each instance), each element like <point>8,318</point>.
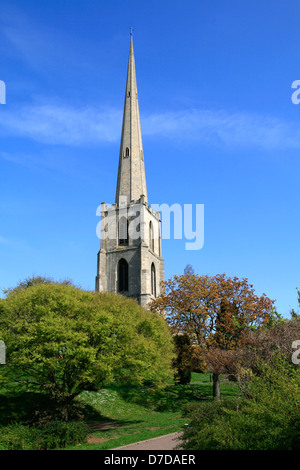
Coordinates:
<point>219,128</point>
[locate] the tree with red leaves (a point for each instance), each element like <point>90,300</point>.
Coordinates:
<point>214,311</point>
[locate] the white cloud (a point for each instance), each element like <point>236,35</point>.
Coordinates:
<point>220,127</point>
<point>63,125</point>
<point>67,125</point>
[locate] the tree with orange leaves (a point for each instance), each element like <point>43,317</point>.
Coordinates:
<point>213,310</point>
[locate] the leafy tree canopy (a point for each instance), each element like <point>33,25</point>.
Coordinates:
<point>62,339</point>
<point>213,310</point>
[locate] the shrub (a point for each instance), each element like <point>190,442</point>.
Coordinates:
<point>17,436</point>
<point>55,435</point>
<point>60,434</point>
<point>266,418</point>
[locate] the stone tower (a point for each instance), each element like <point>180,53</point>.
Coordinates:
<point>129,260</point>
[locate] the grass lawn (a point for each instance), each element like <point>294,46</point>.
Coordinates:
<point>123,415</point>
<point>120,415</point>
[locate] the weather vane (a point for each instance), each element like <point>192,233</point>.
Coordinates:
<point>130,30</point>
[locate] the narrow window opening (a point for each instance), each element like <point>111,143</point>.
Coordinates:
<point>159,245</point>
<point>123,231</point>
<point>151,237</point>
<point>123,276</point>
<point>153,280</point>
<point>127,152</point>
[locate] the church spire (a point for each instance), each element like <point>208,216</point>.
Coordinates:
<point>131,174</point>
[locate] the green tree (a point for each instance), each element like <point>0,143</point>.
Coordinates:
<point>32,281</point>
<point>62,340</point>
<point>213,310</point>
<point>182,362</point>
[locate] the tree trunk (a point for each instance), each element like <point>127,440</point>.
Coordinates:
<point>216,386</point>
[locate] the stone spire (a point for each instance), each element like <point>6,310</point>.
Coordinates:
<point>127,264</point>
<point>131,174</point>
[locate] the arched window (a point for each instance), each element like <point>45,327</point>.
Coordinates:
<point>127,152</point>
<point>123,276</point>
<point>123,231</point>
<point>153,280</point>
<point>151,236</point>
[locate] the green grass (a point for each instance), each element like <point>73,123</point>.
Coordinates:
<point>144,413</point>
<point>120,415</point>
<point>201,378</point>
